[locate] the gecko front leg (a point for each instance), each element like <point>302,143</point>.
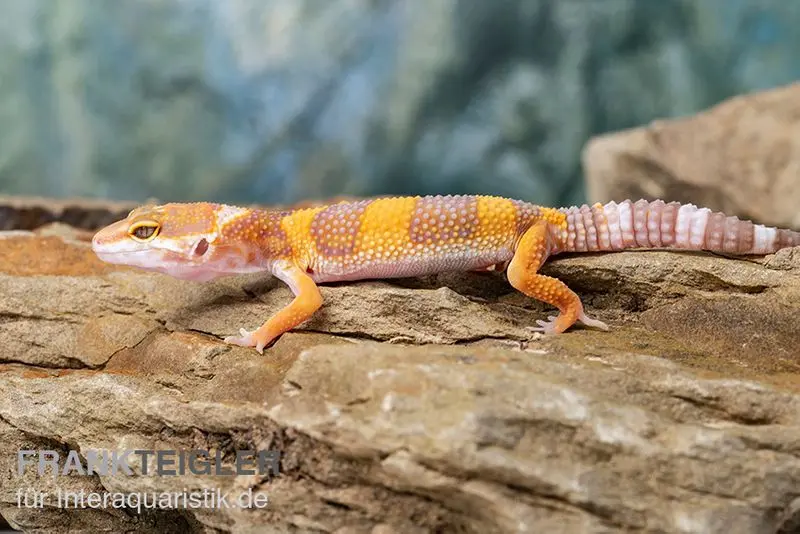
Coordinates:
<point>522,274</point>
<point>307,300</point>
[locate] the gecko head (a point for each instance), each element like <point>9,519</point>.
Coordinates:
<point>175,239</point>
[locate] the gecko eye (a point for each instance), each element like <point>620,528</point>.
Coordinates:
<point>144,231</point>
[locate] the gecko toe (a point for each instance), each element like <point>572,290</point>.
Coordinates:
<point>252,339</point>
<point>593,323</point>
<point>545,327</point>
<point>551,325</point>
<point>244,339</point>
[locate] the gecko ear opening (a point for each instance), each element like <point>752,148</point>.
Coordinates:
<point>201,247</point>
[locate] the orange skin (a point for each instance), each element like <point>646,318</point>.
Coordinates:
<point>351,240</point>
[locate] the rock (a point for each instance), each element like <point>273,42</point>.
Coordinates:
<point>739,157</point>
<point>419,405</point>
<point>30,213</point>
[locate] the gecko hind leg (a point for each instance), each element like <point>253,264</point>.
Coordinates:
<point>522,275</point>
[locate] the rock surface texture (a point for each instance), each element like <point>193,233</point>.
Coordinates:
<point>419,405</point>
<point>740,157</point>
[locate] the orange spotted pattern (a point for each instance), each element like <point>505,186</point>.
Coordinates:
<point>176,220</point>
<point>406,236</point>
<point>261,229</point>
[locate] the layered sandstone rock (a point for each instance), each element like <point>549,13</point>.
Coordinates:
<point>418,405</point>
<point>741,157</point>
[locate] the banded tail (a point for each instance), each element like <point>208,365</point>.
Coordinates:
<point>660,225</point>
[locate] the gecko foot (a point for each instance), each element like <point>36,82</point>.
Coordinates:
<point>551,326</point>
<point>248,339</point>
<point>546,327</point>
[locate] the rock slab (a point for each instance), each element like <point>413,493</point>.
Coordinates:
<point>419,405</point>
<point>741,157</point>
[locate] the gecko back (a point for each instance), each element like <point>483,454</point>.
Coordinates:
<point>407,236</point>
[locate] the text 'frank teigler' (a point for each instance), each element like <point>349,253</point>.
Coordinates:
<point>162,462</point>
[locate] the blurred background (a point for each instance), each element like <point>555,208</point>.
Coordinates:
<point>274,101</point>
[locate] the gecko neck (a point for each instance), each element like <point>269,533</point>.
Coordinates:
<point>249,240</point>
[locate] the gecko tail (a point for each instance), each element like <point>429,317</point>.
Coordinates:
<point>661,225</point>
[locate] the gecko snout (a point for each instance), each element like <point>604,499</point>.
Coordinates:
<point>101,239</point>
<point>110,238</point>
<point>97,240</point>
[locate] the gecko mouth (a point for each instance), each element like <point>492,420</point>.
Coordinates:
<point>134,257</point>
<point>102,252</point>
<point>109,252</point>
